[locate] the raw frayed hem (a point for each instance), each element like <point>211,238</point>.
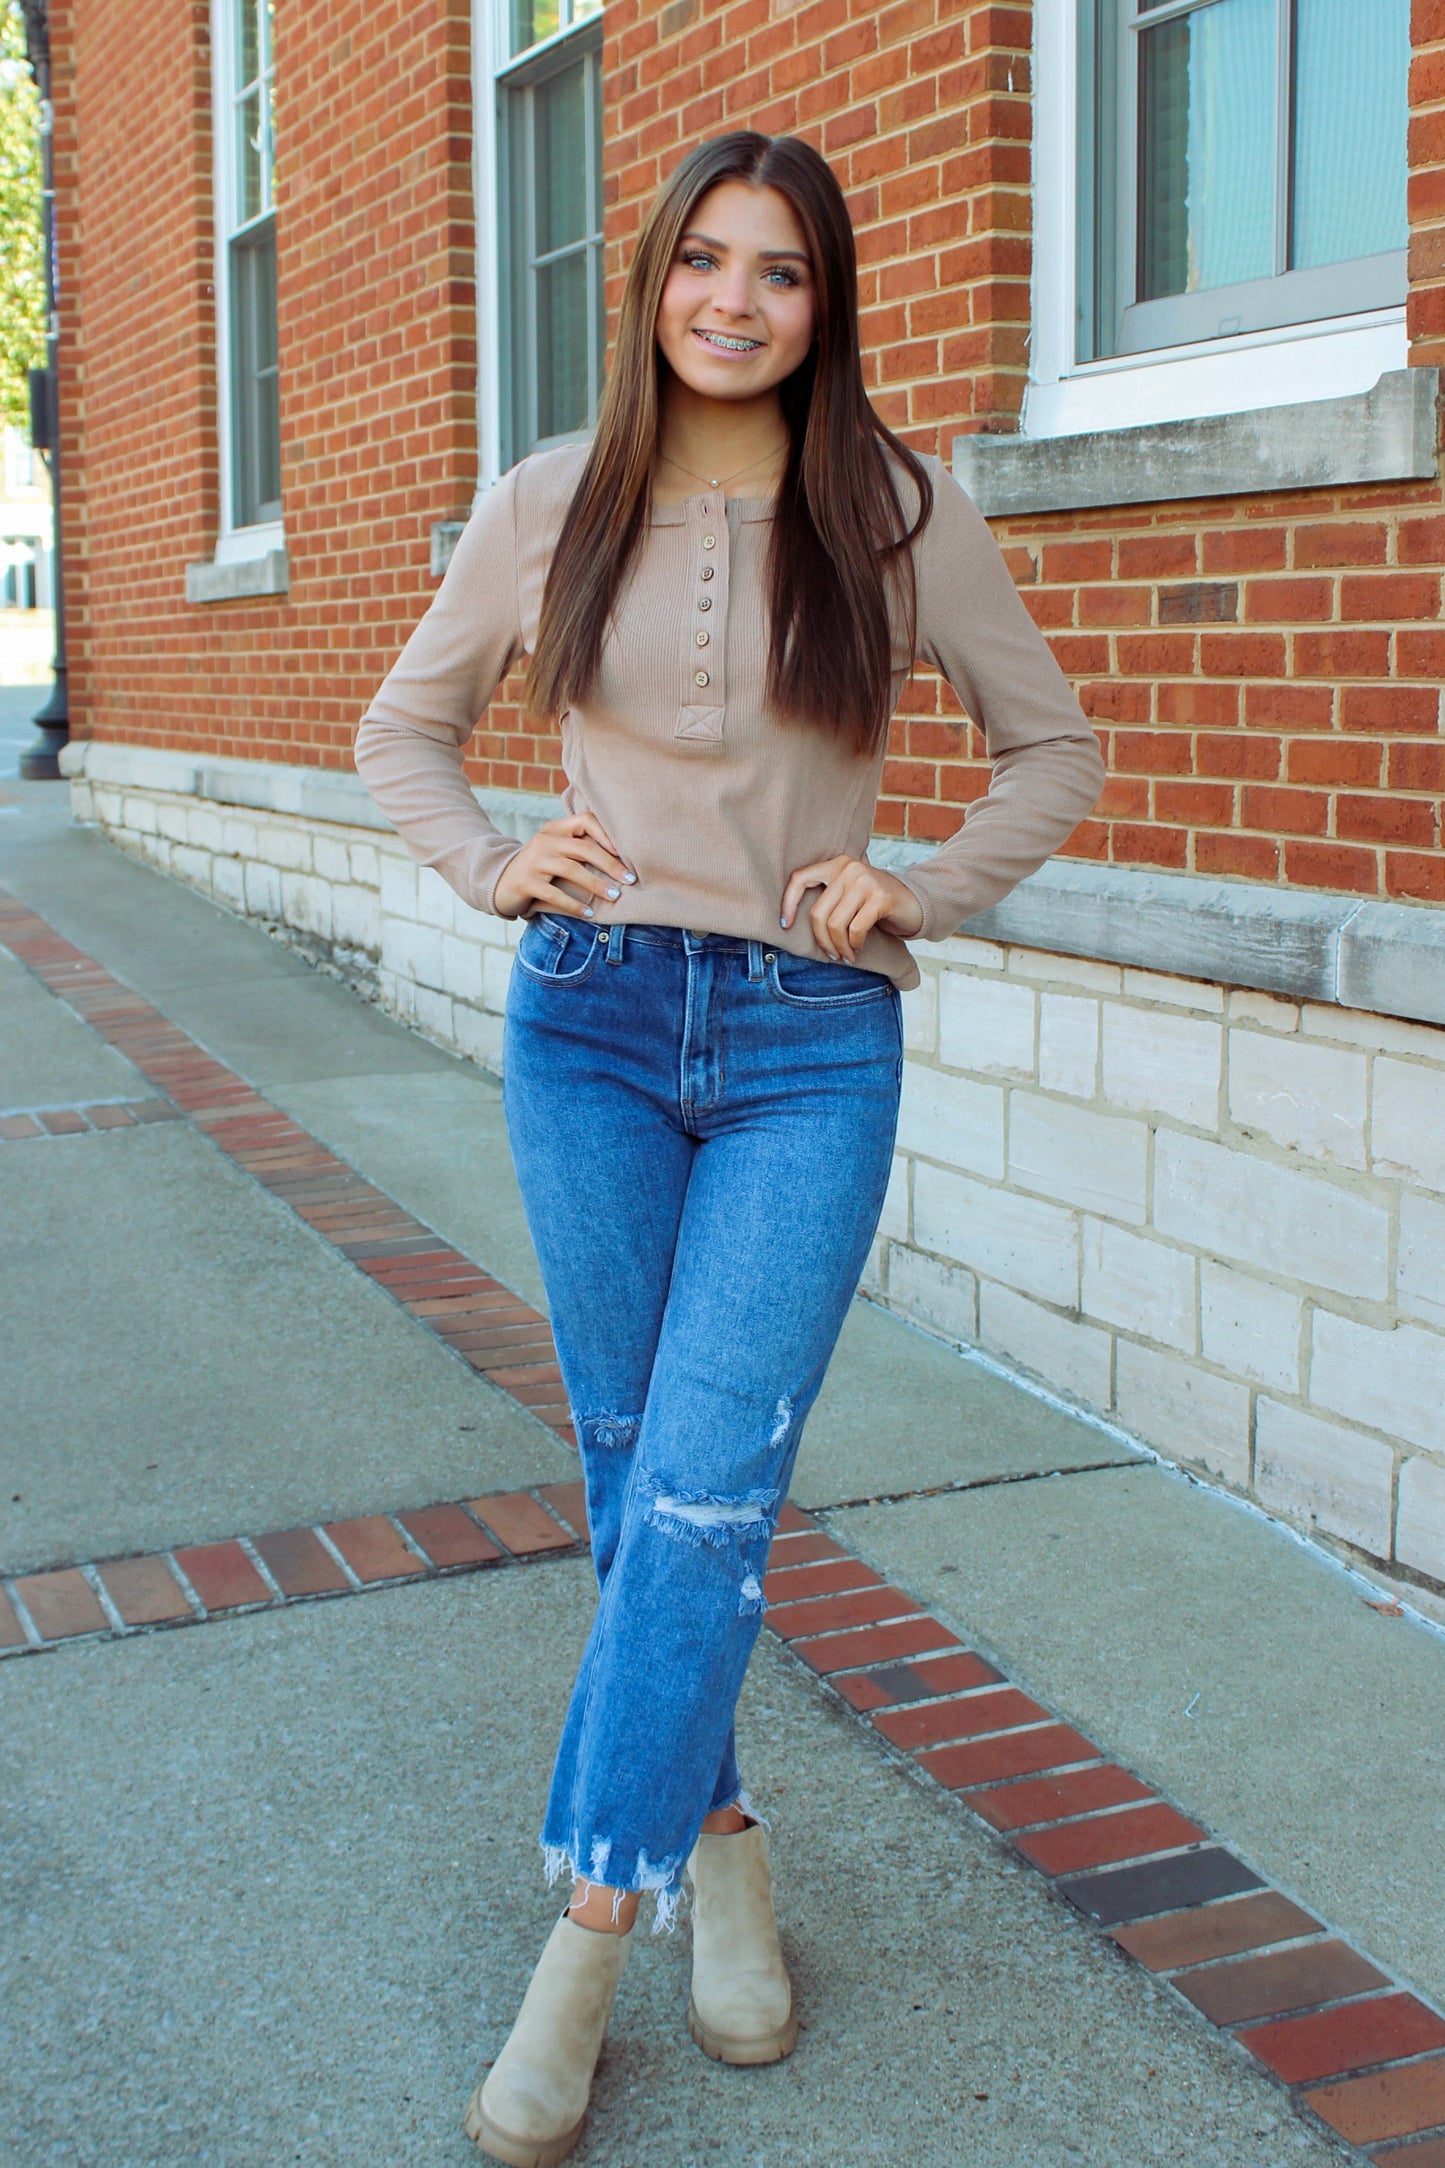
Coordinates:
<point>665,1882</point>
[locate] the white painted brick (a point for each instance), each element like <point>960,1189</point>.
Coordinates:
<point>1266,1010</point>
<point>1289,1225</point>
<point>205,828</point>
<point>875,1265</point>
<point>228,882</point>
<point>479,1036</point>
<point>434,899</point>
<point>920,1016</point>
<point>959,949</point>
<point>1408,1125</point>
<point>173,819</point>
<point>331,858</point>
<point>140,815</point>
<point>1157,1063</point>
<point>1027,1244</point>
<point>238,838</point>
<point>943,1297</point>
<point>398,886</point>
<point>82,802</point>
<point>952,1118</point>
<point>498,933</point>
<point>263,891</point>
<point>1075,971</point>
<point>191,865</point>
<point>1250,1327</point>
<point>434,1013</point>
<point>1140,1285</point>
<point>1420,1275</point>
<point>1420,1530</point>
<point>108,806</point>
<point>1068,1044</point>
<point>1183,1411</point>
<point>893,1220</point>
<point>412,952</point>
<point>496,977</point>
<point>985,1024</point>
<point>1376,1034</point>
<point>364,864</point>
<point>281,844</point>
<point>1306,1097</point>
<point>1177,993</point>
<point>356,918</point>
<point>1072,1357</point>
<point>1393,1381</point>
<point>1095,1160</point>
<point>1315,1471</point>
<point>461,968</point>
<point>306,903</point>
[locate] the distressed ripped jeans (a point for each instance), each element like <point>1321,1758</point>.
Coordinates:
<point>702,1130</point>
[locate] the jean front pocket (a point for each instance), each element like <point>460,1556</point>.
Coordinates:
<point>805,982</point>
<point>558,951</point>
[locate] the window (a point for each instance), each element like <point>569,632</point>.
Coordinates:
<point>1242,166</point>
<point>246,266</point>
<point>548,88</point>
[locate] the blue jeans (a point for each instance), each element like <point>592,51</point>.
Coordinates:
<point>702,1130</point>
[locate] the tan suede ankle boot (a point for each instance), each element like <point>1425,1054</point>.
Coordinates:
<point>529,2109</point>
<point>741,2009</point>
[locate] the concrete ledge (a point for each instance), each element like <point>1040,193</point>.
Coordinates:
<point>1387,958</point>
<point>445,535</point>
<point>1386,434</point>
<point>267,575</point>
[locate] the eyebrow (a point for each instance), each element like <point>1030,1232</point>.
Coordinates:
<point>795,255</point>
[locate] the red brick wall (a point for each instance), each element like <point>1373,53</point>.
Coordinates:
<point>377,329</point>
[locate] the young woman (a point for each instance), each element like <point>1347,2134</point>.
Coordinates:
<point>720,597</point>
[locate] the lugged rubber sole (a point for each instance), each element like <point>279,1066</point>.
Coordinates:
<point>724,2048</point>
<point>504,2145</point>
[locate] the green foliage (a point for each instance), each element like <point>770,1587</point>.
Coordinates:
<point>22,255</point>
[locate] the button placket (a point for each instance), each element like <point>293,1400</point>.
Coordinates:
<point>703,693</point>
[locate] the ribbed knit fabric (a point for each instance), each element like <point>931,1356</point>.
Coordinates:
<point>709,798</point>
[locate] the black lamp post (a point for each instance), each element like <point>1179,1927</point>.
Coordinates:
<point>41,763</point>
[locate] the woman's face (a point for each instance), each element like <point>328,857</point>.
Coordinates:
<point>737,310</point>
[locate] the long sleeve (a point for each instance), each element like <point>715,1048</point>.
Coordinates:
<point>409,745</point>
<point>1047,767</point>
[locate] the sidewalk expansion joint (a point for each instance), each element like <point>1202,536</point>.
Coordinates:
<point>1358,2053</point>
<point>981,1482</point>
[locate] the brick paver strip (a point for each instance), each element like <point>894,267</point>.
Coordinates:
<point>1192,1913</point>
<point>449,1536</point>
<point>1254,1987</point>
<point>61,1603</point>
<point>144,1591</point>
<point>1050,1799</point>
<point>1386,2104</point>
<point>1384,2030</point>
<point>373,1549</point>
<point>300,1564</point>
<point>1163,1885</point>
<point>222,1576</point>
<point>1215,1930</point>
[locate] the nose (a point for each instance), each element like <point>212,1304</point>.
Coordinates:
<point>733,297</point>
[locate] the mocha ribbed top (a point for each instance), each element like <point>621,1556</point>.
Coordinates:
<point>710,798</point>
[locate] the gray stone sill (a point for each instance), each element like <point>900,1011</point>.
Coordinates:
<point>1386,958</point>
<point>1386,434</point>
<point>266,575</point>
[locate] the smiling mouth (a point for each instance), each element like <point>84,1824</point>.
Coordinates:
<point>724,342</point>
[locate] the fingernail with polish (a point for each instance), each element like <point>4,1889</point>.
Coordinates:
<point>589,912</point>
<point>629,876</point>
<point>614,893</point>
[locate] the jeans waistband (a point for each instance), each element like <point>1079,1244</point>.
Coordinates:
<point>686,941</point>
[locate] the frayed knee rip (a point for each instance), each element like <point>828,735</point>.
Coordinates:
<point>614,1433</point>
<point>740,1529</point>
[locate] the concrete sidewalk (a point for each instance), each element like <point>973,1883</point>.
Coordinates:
<point>271,1887</point>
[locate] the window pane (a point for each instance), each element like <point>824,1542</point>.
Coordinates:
<point>250,41</point>
<point>533,20</point>
<point>1351,116</point>
<point>1206,148</point>
<point>562,387</point>
<point>255,380</point>
<point>560,120</point>
<point>251,194</point>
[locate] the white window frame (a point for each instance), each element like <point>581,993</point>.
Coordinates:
<point>491,62</point>
<point>234,545</point>
<point>1328,359</point>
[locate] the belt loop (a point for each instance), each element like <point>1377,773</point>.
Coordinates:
<point>615,943</point>
<point>755,959</point>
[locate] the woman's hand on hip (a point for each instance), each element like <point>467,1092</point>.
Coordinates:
<point>571,853</point>
<point>855,898</point>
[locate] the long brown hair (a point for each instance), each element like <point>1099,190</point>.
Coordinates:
<point>839,529</point>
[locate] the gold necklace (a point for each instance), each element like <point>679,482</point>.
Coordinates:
<point>713,481</point>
